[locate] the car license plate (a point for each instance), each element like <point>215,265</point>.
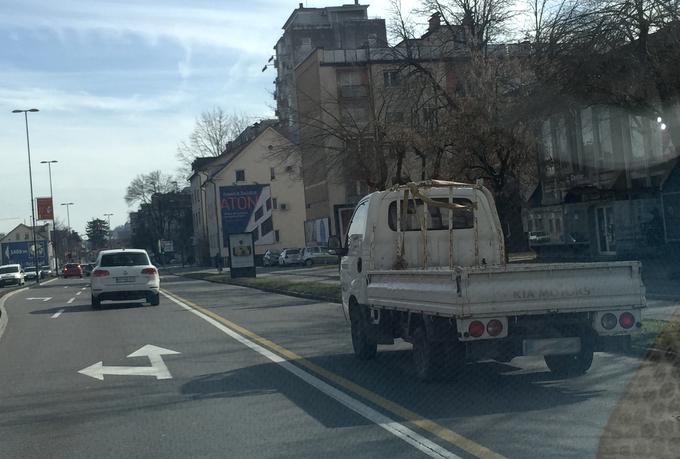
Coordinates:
<point>552,346</point>
<point>124,280</point>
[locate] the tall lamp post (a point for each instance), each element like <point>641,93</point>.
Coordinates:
<point>54,225</point>
<point>68,222</point>
<point>30,180</point>
<point>108,219</point>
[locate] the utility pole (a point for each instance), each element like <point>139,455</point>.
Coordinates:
<point>54,224</point>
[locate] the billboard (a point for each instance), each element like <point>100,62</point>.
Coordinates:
<point>247,209</point>
<point>21,252</point>
<point>45,209</point>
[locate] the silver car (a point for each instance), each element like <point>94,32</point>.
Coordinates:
<point>290,257</point>
<point>318,255</point>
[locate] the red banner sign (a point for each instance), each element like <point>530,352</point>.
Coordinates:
<point>45,209</point>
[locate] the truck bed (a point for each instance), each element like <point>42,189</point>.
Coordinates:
<point>513,289</point>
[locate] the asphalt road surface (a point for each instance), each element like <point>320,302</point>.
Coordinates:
<point>223,371</point>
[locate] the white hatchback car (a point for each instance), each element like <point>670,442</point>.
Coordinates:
<point>124,274</point>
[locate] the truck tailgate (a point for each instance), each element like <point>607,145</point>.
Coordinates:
<point>514,289</point>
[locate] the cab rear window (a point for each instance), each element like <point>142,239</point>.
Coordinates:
<point>124,259</point>
<point>437,217</point>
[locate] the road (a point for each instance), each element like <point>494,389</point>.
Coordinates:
<point>243,373</point>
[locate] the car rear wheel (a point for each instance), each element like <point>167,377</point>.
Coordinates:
<point>155,300</point>
<point>96,302</point>
<point>309,262</point>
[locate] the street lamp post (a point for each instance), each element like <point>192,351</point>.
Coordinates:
<point>54,224</point>
<point>108,218</point>
<point>30,180</point>
<point>68,222</point>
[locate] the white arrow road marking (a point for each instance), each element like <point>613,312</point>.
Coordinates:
<point>71,300</point>
<point>58,313</point>
<point>78,293</point>
<point>157,368</point>
<point>41,298</point>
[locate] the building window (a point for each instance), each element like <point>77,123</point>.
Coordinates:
<point>17,236</point>
<point>256,234</point>
<point>258,213</point>
<point>606,153</point>
<point>392,78</point>
<point>25,236</point>
<point>267,226</point>
<point>240,175</point>
<point>268,204</point>
<point>637,136</point>
<point>275,203</point>
<point>277,235</point>
<point>272,173</point>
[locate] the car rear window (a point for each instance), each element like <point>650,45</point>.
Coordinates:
<point>124,259</point>
<point>9,269</point>
<point>71,266</point>
<point>437,217</point>
<point>292,251</point>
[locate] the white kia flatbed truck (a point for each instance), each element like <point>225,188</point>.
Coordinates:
<point>426,263</point>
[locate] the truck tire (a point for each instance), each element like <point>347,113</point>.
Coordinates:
<point>429,357</point>
<point>365,348</point>
<point>573,364</point>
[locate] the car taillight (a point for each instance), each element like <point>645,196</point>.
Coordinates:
<point>151,271</point>
<point>476,329</point>
<point>100,273</point>
<point>608,321</point>
<point>626,320</point>
<point>494,327</point>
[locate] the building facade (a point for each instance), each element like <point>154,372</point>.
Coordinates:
<point>261,164</point>
<point>608,185</point>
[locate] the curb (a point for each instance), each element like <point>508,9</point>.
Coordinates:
<point>306,296</point>
<point>3,312</point>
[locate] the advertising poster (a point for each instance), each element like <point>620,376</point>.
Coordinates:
<point>247,209</point>
<point>45,209</point>
<point>21,252</point>
<point>241,255</point>
<point>317,231</point>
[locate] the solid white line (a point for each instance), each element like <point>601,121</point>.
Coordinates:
<point>78,293</point>
<point>71,300</point>
<point>395,428</point>
<point>58,313</point>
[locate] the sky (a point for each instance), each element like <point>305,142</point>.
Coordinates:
<point>119,84</point>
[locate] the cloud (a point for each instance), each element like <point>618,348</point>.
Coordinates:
<point>58,100</point>
<point>239,26</point>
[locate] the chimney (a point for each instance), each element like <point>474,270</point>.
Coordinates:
<point>434,22</point>
<point>300,5</point>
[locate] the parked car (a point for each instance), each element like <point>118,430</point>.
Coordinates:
<point>317,255</point>
<point>72,270</point>
<point>11,275</point>
<point>46,271</point>
<point>87,268</point>
<point>124,274</point>
<point>290,257</point>
<point>31,273</point>
<point>271,257</point>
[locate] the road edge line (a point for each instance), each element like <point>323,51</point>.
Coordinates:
<point>287,356</point>
<point>4,319</point>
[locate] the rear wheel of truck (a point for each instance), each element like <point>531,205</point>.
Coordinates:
<point>572,364</point>
<point>365,348</point>
<point>429,357</point>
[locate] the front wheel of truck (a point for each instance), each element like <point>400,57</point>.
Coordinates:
<point>365,348</point>
<point>572,364</point>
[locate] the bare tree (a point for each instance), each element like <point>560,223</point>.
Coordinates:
<point>211,133</point>
<point>142,188</point>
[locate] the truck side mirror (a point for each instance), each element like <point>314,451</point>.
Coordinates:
<point>335,246</point>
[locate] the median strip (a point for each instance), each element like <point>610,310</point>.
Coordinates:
<point>284,357</point>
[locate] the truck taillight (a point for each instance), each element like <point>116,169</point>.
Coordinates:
<point>476,329</point>
<point>100,273</point>
<point>608,321</point>
<point>494,327</point>
<point>151,271</point>
<point>626,320</point>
